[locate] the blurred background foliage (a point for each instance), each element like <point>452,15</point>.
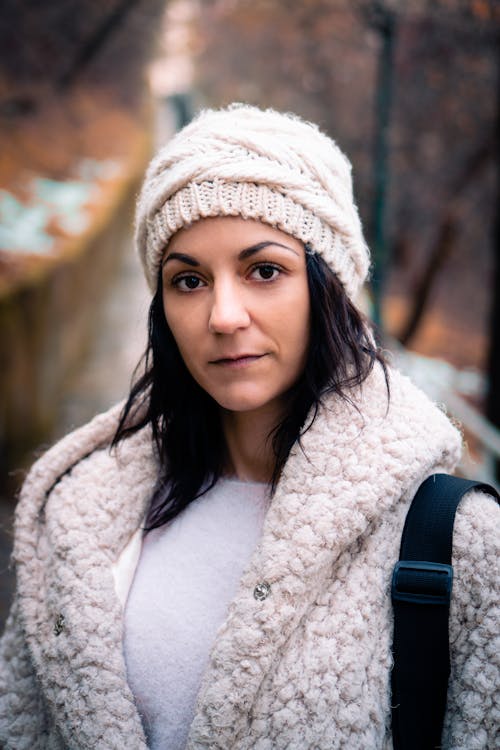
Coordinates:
<point>76,117</point>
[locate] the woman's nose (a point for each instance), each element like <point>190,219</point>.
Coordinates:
<point>228,312</point>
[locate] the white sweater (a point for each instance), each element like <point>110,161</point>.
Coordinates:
<point>187,575</point>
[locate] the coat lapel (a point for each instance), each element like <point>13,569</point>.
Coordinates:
<point>355,463</point>
<point>83,510</point>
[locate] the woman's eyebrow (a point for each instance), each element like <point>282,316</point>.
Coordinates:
<point>247,252</point>
<point>182,257</point>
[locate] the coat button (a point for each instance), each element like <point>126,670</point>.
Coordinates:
<point>59,625</point>
<point>262,591</point>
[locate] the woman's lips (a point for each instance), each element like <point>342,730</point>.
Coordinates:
<point>239,361</point>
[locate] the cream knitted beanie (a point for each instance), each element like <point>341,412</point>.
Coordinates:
<point>258,164</point>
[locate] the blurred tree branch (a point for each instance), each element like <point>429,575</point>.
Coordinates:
<point>51,49</point>
<point>445,239</point>
<point>94,43</point>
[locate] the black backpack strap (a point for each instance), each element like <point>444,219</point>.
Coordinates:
<point>421,592</point>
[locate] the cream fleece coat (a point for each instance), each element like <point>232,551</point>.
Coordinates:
<point>306,667</point>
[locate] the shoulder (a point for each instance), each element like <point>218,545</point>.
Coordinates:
<point>80,474</point>
<point>78,509</point>
<point>476,548</point>
<point>69,451</point>
<point>476,539</point>
<point>477,527</point>
<point>474,616</point>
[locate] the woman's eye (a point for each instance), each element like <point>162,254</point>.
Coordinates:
<point>265,272</point>
<point>187,283</point>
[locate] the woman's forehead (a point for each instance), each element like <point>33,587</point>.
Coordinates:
<point>229,233</point>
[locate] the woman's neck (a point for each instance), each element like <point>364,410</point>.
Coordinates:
<point>249,447</point>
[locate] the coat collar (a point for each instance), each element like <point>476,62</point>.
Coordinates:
<point>355,463</point>
<point>77,510</point>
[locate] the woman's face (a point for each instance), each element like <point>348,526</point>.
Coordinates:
<point>236,298</point>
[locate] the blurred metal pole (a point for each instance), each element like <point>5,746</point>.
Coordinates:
<point>182,105</point>
<point>385,23</point>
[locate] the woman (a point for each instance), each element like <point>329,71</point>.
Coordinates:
<point>270,455</point>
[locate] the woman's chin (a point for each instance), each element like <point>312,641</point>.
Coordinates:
<point>244,402</point>
<point>241,405</point>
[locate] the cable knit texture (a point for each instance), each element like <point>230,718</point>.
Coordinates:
<point>264,165</point>
<point>308,667</point>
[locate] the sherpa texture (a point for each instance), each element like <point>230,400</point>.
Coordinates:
<point>264,165</point>
<point>306,668</point>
